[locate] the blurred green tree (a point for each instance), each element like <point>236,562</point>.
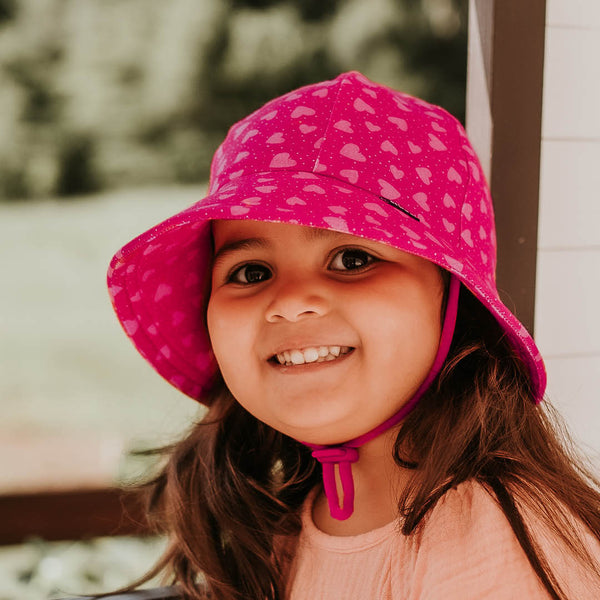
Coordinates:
<point>156,85</point>
<point>8,10</point>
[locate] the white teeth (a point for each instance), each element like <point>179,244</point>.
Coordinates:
<point>310,355</point>
<point>297,357</point>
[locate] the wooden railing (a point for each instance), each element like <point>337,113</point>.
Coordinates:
<point>164,593</point>
<point>70,515</point>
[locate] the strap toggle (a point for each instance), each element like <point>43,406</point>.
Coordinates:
<point>343,457</point>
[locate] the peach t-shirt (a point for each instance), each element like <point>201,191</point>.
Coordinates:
<point>467,551</point>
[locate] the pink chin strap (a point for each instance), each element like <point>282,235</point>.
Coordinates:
<point>345,454</point>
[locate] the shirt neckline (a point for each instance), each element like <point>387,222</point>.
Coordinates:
<point>343,543</point>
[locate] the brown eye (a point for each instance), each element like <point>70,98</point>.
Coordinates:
<point>352,259</point>
<point>249,273</point>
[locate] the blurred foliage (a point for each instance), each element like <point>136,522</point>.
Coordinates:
<point>77,173</point>
<point>35,76</point>
<point>436,51</point>
<point>13,183</point>
<point>8,10</point>
<point>309,10</point>
<point>40,569</point>
<point>156,85</point>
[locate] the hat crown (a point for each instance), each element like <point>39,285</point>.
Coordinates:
<point>411,155</point>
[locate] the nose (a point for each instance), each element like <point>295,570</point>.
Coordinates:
<point>296,299</point>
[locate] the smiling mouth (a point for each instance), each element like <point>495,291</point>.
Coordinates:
<point>299,359</point>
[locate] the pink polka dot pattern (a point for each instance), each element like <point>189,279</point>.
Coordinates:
<point>347,154</point>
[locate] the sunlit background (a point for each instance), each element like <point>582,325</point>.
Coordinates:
<point>110,111</point>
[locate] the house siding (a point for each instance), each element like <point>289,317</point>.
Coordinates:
<point>567,317</point>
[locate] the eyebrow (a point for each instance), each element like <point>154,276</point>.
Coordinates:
<point>310,234</point>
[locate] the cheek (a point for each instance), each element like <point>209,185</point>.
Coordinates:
<point>212,321</point>
<point>220,323</point>
<point>230,331</point>
<point>232,341</point>
<point>219,330</point>
<point>405,317</point>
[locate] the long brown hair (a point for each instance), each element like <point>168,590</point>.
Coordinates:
<point>232,490</point>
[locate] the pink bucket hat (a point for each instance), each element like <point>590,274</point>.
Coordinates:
<point>349,155</point>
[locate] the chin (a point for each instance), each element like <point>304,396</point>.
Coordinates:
<point>322,434</point>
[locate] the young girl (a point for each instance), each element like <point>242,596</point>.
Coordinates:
<point>372,427</point>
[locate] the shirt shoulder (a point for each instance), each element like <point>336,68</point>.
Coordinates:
<point>467,550</point>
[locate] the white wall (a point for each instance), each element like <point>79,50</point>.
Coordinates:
<point>567,312</point>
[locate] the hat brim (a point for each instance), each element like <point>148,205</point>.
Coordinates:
<point>159,281</point>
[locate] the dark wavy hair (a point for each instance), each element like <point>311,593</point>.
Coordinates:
<point>232,490</point>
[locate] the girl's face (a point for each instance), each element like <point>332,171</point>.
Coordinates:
<point>279,287</point>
